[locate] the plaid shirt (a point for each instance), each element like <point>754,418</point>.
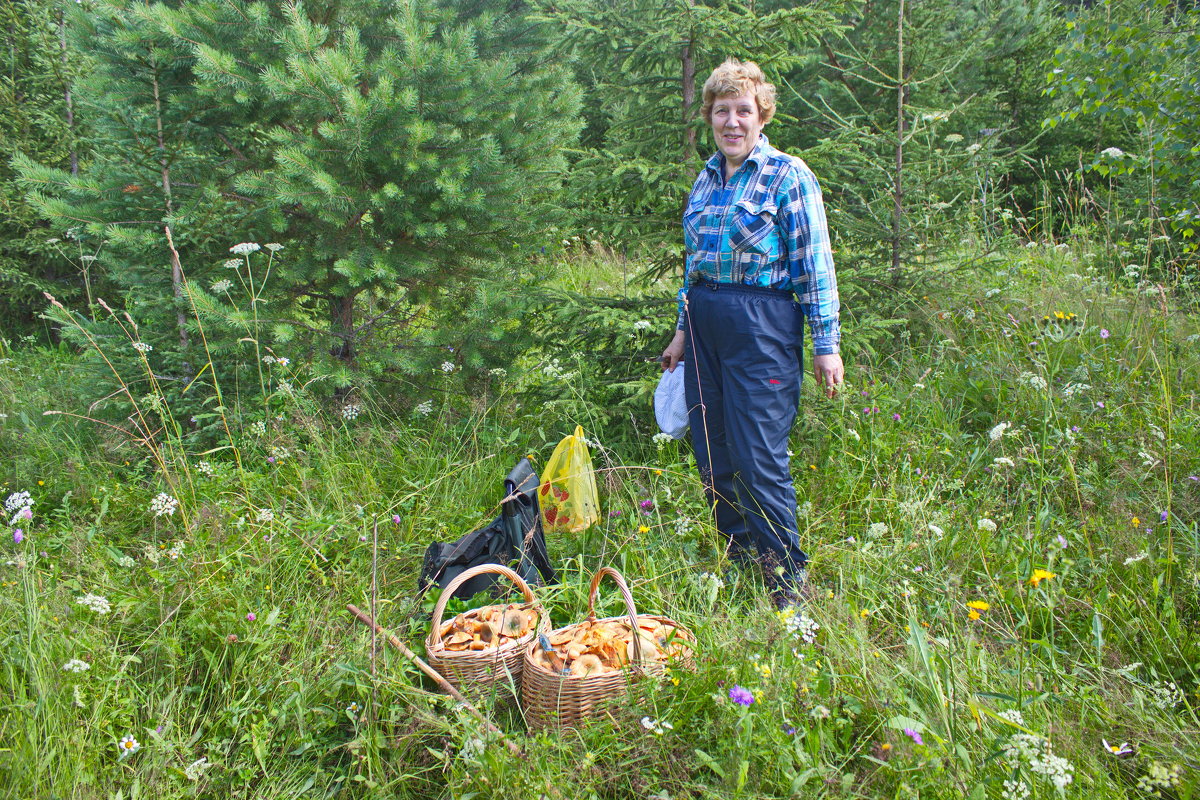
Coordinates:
<point>764,227</point>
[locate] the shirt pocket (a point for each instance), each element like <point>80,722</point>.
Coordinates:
<point>693,218</point>
<point>753,224</point>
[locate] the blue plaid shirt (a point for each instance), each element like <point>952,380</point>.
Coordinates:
<point>764,227</point>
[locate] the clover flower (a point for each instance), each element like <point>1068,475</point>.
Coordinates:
<point>163,505</point>
<point>1104,334</point>
<point>741,695</point>
<point>244,248</point>
<point>95,602</point>
<point>819,712</point>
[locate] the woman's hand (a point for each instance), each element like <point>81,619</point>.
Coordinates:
<point>674,352</point>
<point>828,372</point>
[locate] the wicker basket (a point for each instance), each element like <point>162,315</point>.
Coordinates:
<point>482,672</point>
<point>548,699</point>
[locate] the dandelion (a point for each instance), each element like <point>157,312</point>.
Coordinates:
<point>264,516</point>
<point>1040,575</point>
<point>985,524</point>
<point>244,248</point>
<point>163,505</point>
<point>643,529</point>
<point>741,696</point>
<point>97,603</point>
<point>1135,522</point>
<point>128,744</point>
<point>350,411</point>
<point>76,665</point>
<point>142,347</point>
<point>914,735</point>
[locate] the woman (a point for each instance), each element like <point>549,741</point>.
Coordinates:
<point>758,263</point>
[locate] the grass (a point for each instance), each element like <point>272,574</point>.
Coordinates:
<point>890,685</point>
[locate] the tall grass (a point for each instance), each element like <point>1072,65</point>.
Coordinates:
<point>226,640</point>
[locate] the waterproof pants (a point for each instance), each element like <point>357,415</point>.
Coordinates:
<point>744,362</point>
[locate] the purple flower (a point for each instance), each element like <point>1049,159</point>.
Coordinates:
<point>916,737</point>
<point>18,535</point>
<point>25,513</point>
<point>788,729</point>
<point>866,411</point>
<point>159,729</point>
<point>251,617</point>
<point>1074,429</point>
<point>1104,333</point>
<point>896,417</point>
<point>395,519</point>
<point>741,696</point>
<point>614,514</point>
<point>1162,516</point>
<point>1099,404</point>
<point>270,459</point>
<point>918,470</point>
<point>647,504</point>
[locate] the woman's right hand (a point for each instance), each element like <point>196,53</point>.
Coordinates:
<point>673,354</point>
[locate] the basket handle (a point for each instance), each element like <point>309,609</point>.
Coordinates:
<point>435,632</point>
<point>627,596</point>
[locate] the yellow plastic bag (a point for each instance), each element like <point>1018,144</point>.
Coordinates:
<point>568,492</point>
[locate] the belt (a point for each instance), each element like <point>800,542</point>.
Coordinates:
<point>742,287</point>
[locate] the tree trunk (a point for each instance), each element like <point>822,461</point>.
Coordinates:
<point>897,181</point>
<point>62,43</point>
<point>164,167</point>
<point>341,326</point>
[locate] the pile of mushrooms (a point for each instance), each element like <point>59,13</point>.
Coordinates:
<point>603,646</point>
<point>488,627</point>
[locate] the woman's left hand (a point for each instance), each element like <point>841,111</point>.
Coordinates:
<point>828,372</point>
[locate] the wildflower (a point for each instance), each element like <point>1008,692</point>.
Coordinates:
<point>896,417</point>
<point>660,439</point>
<point>76,665</point>
<point>936,531</point>
<point>1040,575</point>
<point>274,247</point>
<point>163,505</point>
<point>659,727</point>
<point>877,529</point>
<point>914,735</point>
<point>97,603</point>
<point>1099,404</point>
<point>799,624</point>
<point>646,505</point>
<point>1013,715</point>
<point>1162,516</point>
<point>244,249</point>
<point>1062,541</point>
<point>741,696</point>
<point>205,468</point>
<point>978,605</point>
<point>1112,152</point>
<point>251,617</point>
<point>283,361</point>
<point>264,516</point>
<point>972,149</point>
<point>447,367</point>
<point>819,712</point>
<point>985,524</point>
<point>350,411</point>
<point>352,708</point>
<point>195,771</point>
<point>1015,789</point>
<point>126,561</point>
<point>176,551</point>
<point>232,263</point>
<point>1002,462</point>
<point>1142,556</point>
<point>142,347</point>
<point>641,325</point>
<point>424,409</point>
<point>1104,333</point>
<point>1122,749</point>
<point>953,138</point>
<point>18,536</point>
<point>498,372</point>
<point>708,577</point>
<point>1160,777</point>
<point>128,744</point>
<point>17,501</point>
<point>1166,695</point>
<point>788,730</point>
<point>395,519</point>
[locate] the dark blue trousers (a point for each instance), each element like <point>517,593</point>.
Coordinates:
<point>743,365</point>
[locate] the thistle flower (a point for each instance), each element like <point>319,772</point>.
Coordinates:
<point>741,696</point>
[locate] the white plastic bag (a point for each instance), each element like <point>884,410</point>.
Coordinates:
<point>670,407</point>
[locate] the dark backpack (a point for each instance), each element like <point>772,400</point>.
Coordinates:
<point>514,539</point>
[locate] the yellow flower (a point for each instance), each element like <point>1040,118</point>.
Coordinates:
<point>1038,576</point>
<point>41,483</point>
<point>658,472</point>
<point>643,529</point>
<point>978,605</point>
<point>1059,315</point>
<point>864,613</point>
<point>812,466</point>
<point>972,614</point>
<point>885,746</point>
<point>1135,522</point>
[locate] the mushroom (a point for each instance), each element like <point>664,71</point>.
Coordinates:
<point>587,664</point>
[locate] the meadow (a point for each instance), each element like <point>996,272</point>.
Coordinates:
<point>1002,506</point>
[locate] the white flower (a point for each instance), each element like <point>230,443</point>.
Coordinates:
<point>268,359</point>
<point>142,347</point>
<point>274,247</point>
<point>283,361</point>
<point>498,372</point>
<point>641,325</point>
<point>820,712</point>
<point>350,411</point>
<point>658,727</point>
<point>264,516</point>
<point>244,249</point>
<point>195,771</point>
<point>151,554</point>
<point>128,744</point>
<point>424,409</point>
<point>953,138</point>
<point>711,578</point>
<point>1112,152</point>
<point>1159,777</point>
<point>936,531</point>
<point>1056,768</point>
<point>996,433</point>
<point>1015,789</point>
<point>1033,381</point>
<point>222,286</point>
<point>1002,461</point>
<point>1166,695</point>
<point>1122,749</point>
<point>97,603</point>
<point>163,505</point>
<point>205,468</point>
<point>17,501</point>
<point>799,624</point>
<point>1142,556</point>
<point>232,263</point>
<point>258,428</point>
<point>1013,715</point>
<point>176,551</point>
<point>985,524</point>
<point>76,665</point>
<point>972,149</point>
<point>447,367</point>
<point>126,561</point>
<point>877,529</point>
<point>660,439</point>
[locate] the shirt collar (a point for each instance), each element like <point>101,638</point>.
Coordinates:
<point>760,152</point>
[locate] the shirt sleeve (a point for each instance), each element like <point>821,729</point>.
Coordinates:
<point>810,258</point>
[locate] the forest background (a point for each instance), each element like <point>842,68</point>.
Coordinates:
<point>275,272</point>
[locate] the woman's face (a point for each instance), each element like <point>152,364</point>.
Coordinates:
<point>736,124</point>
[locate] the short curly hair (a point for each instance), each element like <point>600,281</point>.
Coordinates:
<point>735,78</point>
